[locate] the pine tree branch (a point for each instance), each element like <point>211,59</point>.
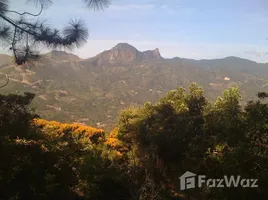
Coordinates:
<point>75,34</point>
<point>17,26</point>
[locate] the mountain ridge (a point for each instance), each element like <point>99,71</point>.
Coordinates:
<point>93,91</point>
<point>60,53</point>
<point>124,52</point>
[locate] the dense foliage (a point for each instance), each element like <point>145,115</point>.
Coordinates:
<point>143,157</point>
<point>49,160</point>
<point>185,132</point>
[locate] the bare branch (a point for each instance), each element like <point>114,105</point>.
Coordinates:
<point>27,13</point>
<point>14,43</point>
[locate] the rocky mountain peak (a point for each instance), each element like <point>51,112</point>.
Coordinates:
<point>124,52</point>
<point>124,46</point>
<point>151,55</point>
<point>156,51</point>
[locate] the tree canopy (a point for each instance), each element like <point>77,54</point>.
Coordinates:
<point>142,157</point>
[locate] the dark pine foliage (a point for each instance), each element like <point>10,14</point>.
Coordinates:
<point>22,32</point>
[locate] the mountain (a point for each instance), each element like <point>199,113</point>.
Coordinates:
<point>62,55</point>
<point>125,53</point>
<point>94,90</point>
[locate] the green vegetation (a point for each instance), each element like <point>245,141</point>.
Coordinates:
<point>143,157</point>
<point>93,91</point>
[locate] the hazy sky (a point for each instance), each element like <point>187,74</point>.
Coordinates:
<point>185,28</point>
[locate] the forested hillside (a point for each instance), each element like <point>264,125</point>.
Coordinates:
<point>93,91</point>
<point>145,154</point>
<point>128,124</point>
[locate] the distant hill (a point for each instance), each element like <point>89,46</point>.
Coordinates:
<point>62,55</point>
<point>5,60</point>
<point>94,90</point>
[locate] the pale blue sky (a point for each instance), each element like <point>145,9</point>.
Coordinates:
<point>185,28</point>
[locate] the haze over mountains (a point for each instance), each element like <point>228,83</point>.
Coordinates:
<point>94,90</point>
